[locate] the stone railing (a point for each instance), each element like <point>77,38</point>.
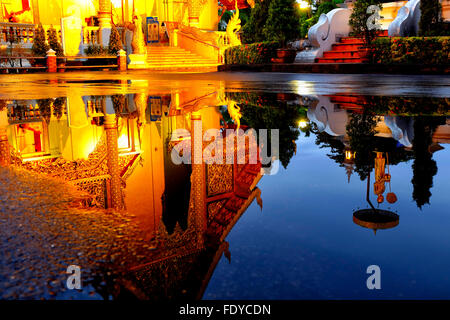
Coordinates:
<point>17,33</point>
<point>328,29</point>
<point>209,44</point>
<point>21,34</point>
<point>91,36</point>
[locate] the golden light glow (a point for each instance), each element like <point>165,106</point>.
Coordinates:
<point>303,4</point>
<point>302,124</point>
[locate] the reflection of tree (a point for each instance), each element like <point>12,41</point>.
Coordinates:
<point>361,133</point>
<point>424,167</point>
<point>119,102</point>
<point>58,107</point>
<point>337,147</point>
<point>177,193</point>
<point>45,108</point>
<point>280,115</point>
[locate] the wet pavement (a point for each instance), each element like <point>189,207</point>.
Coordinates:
<point>33,86</point>
<point>42,233</point>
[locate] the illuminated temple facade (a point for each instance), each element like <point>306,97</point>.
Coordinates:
<point>201,13</point>
<point>189,26</point>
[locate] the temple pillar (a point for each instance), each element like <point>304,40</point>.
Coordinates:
<point>104,21</point>
<point>112,158</point>
<point>198,178</point>
<point>5,157</point>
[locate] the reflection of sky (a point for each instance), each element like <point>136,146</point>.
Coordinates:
<point>304,244</point>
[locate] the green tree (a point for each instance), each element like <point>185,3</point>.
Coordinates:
<point>54,43</point>
<point>115,43</point>
<point>359,18</point>
<point>40,47</point>
<point>45,108</point>
<point>283,23</point>
<point>308,19</point>
<point>58,107</point>
<point>253,29</point>
<point>430,18</point>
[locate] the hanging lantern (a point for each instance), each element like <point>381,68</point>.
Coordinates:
<point>391,197</point>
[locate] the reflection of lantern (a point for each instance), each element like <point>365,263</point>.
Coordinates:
<point>349,156</point>
<point>302,124</point>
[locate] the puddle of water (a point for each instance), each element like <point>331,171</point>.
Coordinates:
<point>300,226</point>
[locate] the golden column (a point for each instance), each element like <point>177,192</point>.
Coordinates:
<point>5,157</point>
<point>112,158</point>
<point>198,177</point>
<point>104,20</point>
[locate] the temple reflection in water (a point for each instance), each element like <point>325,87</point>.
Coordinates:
<point>116,149</point>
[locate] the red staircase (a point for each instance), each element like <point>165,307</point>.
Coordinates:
<point>346,50</point>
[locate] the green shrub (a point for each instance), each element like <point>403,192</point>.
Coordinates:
<point>253,29</point>
<point>40,47</point>
<point>54,43</point>
<point>115,43</point>
<point>307,20</point>
<point>96,50</point>
<point>411,50</point>
<point>255,53</point>
<point>381,50</point>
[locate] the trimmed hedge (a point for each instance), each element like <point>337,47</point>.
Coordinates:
<point>255,53</point>
<point>411,50</point>
<point>407,106</point>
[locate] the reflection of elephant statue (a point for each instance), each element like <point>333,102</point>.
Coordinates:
<point>402,129</point>
<point>328,119</point>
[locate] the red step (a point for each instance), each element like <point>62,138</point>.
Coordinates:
<point>345,99</point>
<point>346,50</point>
<point>352,40</point>
<point>346,46</point>
<point>339,60</point>
<point>341,54</point>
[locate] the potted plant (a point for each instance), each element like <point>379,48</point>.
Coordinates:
<point>360,26</point>
<point>283,25</point>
